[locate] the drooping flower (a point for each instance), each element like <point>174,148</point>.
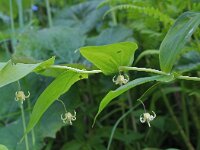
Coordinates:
<point>146,117</point>
<point>68,117</point>
<point>121,79</point>
<point>20,96</point>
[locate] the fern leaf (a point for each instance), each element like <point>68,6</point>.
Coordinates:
<point>150,11</point>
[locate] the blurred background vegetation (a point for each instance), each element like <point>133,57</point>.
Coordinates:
<point>41,29</point>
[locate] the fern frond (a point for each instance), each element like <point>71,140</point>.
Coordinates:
<point>150,11</point>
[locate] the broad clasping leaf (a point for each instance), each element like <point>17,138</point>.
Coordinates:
<point>12,72</point>
<point>108,58</point>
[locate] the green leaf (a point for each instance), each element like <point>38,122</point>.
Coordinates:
<point>113,94</point>
<point>176,38</point>
<point>7,99</point>
<point>10,136</point>
<point>2,147</point>
<point>188,62</point>
<point>86,16</point>
<point>108,58</point>
<point>58,87</point>
<point>2,65</point>
<point>112,35</point>
<point>13,72</point>
<point>59,41</point>
<point>44,65</point>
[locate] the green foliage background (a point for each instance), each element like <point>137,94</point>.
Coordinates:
<point>78,23</point>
